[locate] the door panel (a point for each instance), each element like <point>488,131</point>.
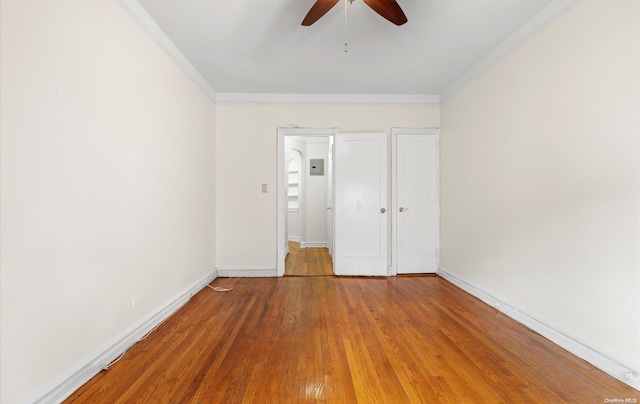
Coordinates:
<point>416,202</point>
<point>360,209</point>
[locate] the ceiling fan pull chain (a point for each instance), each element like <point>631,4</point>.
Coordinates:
<point>346,46</point>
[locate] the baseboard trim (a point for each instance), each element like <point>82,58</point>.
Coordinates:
<point>313,244</point>
<point>295,239</point>
<point>623,372</point>
<point>247,273</point>
<point>62,387</point>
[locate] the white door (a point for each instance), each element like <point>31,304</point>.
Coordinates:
<point>415,201</point>
<point>360,164</point>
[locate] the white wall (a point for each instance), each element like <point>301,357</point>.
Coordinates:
<point>107,176</point>
<point>315,194</point>
<point>540,179</point>
<point>246,219</point>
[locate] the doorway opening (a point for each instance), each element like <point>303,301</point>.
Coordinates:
<point>312,261</point>
<point>305,201</point>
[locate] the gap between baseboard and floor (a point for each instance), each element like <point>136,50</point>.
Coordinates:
<point>62,387</point>
<point>594,356</point>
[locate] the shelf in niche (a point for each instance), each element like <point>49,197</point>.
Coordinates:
<point>293,194</point>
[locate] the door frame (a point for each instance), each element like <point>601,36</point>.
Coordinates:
<point>331,198</point>
<point>394,190</point>
<point>281,204</point>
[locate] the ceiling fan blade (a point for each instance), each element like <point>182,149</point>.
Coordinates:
<point>389,9</point>
<point>320,8</point>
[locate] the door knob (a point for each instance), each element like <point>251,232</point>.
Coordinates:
<point>382,210</point>
<point>403,209</point>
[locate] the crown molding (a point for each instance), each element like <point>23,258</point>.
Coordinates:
<point>325,99</point>
<point>144,20</point>
<point>538,23</point>
<point>533,27</point>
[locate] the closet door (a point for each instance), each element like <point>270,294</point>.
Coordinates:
<point>416,227</point>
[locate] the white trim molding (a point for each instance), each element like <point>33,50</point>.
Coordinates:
<point>148,24</point>
<point>312,244</point>
<point>322,99</point>
<point>616,367</point>
<point>63,386</point>
<point>247,273</point>
<point>522,35</point>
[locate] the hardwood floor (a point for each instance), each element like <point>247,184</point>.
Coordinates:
<point>346,340</point>
<point>307,261</point>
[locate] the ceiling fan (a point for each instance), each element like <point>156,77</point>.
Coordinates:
<point>388,9</point>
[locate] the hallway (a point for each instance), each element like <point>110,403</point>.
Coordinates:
<point>307,261</point>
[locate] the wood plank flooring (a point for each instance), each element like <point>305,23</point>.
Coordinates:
<point>307,261</point>
<point>346,340</point>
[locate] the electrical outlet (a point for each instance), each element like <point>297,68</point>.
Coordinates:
<point>136,300</point>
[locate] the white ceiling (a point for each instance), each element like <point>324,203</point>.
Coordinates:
<point>259,46</point>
